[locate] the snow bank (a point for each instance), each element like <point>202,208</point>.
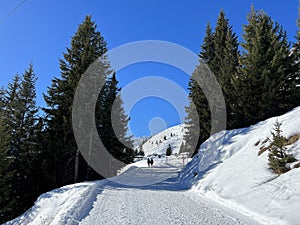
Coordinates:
<point>60,206</point>
<point>229,170</point>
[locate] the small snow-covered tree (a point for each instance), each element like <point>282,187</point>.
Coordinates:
<point>169,150</point>
<point>141,153</point>
<point>278,155</point>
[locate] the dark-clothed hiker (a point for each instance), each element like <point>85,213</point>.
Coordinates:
<point>149,162</point>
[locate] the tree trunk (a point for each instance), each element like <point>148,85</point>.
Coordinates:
<point>76,166</point>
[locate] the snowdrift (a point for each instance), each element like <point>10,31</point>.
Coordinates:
<point>229,170</point>
<point>60,206</point>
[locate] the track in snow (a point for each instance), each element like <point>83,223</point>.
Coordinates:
<point>165,202</point>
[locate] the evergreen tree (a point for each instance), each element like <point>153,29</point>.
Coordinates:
<point>141,152</point>
<point>169,151</point>
<point>25,112</point>
<point>27,126</point>
<point>193,137</point>
<point>224,65</point>
<point>18,120</point>
<point>8,150</point>
<point>11,119</point>
<point>2,99</point>
<point>219,52</point>
<point>6,203</point>
<point>87,45</point>
<point>278,156</point>
<point>198,112</point>
<point>266,76</point>
<point>113,126</point>
<point>207,53</point>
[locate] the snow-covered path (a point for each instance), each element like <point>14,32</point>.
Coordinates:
<point>165,202</point>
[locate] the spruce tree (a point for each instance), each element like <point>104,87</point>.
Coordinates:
<point>198,112</point>
<point>9,150</point>
<point>113,126</point>
<point>219,52</point>
<point>278,155</point>
<point>169,151</point>
<point>224,65</point>
<point>2,98</point>
<point>87,45</point>
<point>266,74</point>
<point>6,202</point>
<point>27,123</point>
<point>18,120</point>
<point>207,53</point>
<point>198,115</point>
<point>11,117</point>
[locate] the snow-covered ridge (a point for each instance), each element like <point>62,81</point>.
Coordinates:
<point>160,142</point>
<point>229,170</point>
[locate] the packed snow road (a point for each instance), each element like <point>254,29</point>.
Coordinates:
<point>162,202</point>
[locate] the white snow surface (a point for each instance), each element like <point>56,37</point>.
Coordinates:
<point>230,171</point>
<point>137,141</point>
<point>157,144</point>
<point>112,203</point>
<point>225,183</point>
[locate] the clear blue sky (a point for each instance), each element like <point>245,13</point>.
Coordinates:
<point>39,32</point>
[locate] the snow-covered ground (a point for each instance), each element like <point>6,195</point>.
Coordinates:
<point>111,202</point>
<point>164,202</point>
<point>159,143</point>
<point>164,162</point>
<point>225,183</point>
<point>230,171</point>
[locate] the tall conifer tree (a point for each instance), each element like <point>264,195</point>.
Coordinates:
<point>18,120</point>
<point>6,203</point>
<point>266,76</point>
<point>113,127</point>
<point>220,52</point>
<point>87,45</point>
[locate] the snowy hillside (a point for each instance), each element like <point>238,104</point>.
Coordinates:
<point>160,142</point>
<point>239,178</point>
<point>227,182</point>
<point>137,141</point>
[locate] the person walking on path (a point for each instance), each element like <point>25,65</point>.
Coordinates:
<point>148,162</point>
<point>151,162</point>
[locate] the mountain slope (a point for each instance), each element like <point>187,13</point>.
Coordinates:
<point>159,143</point>
<point>240,178</point>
